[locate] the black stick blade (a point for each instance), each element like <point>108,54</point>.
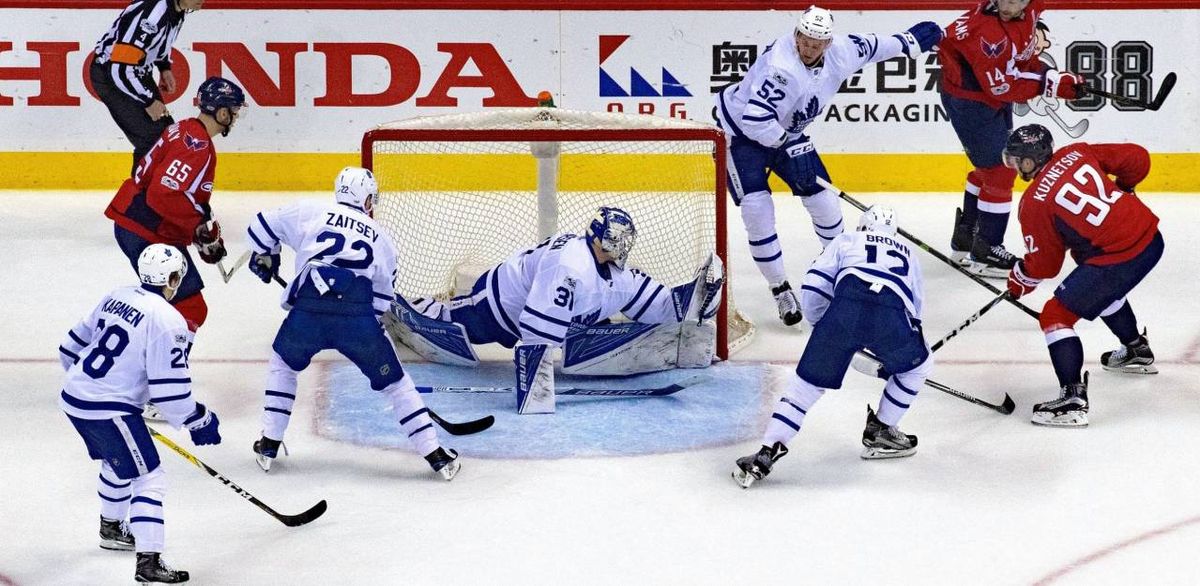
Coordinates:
<point>306,517</point>
<point>1164,90</point>
<point>1008,406</point>
<point>464,428</point>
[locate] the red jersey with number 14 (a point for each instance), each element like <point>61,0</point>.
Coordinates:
<point>1074,205</point>
<point>989,60</point>
<point>168,194</point>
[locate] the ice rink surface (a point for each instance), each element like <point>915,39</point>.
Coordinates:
<point>988,499</point>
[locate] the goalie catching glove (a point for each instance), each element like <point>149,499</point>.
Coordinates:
<point>209,243</point>
<point>699,300</point>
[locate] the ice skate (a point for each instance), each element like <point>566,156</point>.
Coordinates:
<point>444,462</point>
<point>992,262</point>
<point>266,450</point>
<point>115,535</point>
<point>757,466</point>
<point>786,302</point>
<point>881,441</point>
<point>1069,410</point>
<point>962,238</point>
<point>1136,358</point>
<point>152,570</point>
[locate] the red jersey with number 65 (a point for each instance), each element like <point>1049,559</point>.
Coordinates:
<point>167,196</point>
<point>1074,205</point>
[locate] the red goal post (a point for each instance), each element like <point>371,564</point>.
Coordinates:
<point>461,192</point>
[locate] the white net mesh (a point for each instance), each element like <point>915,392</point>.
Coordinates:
<point>460,193</point>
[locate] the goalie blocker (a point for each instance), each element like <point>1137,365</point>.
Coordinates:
<point>666,328</point>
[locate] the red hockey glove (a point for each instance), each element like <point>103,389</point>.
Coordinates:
<point>1019,283</point>
<point>209,243</point>
<point>1061,84</point>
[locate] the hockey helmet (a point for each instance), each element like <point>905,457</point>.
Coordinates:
<point>357,188</point>
<point>1031,143</point>
<point>816,23</point>
<point>158,263</point>
<point>216,93</point>
<point>878,218</point>
<point>613,228</point>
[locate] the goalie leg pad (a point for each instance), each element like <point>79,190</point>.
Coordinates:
<point>434,340</point>
<point>535,379</point>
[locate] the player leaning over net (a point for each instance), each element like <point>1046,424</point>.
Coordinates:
<point>1073,205</point>
<point>344,270</point>
<point>865,291</point>
<point>559,294</point>
<point>132,349</point>
<point>766,114</point>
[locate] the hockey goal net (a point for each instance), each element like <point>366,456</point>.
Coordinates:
<point>461,192</point>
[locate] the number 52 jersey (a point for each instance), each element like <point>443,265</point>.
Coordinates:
<point>131,349</point>
<point>1074,205</point>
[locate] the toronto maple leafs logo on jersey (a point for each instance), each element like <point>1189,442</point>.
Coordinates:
<point>802,118</point>
<point>993,50</point>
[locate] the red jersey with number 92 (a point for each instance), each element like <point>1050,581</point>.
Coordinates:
<point>168,194</point>
<point>1073,204</point>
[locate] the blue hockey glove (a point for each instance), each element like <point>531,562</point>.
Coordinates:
<point>920,38</point>
<point>264,266</point>
<point>203,426</point>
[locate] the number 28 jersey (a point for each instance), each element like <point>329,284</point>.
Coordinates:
<point>1074,205</point>
<point>131,349</point>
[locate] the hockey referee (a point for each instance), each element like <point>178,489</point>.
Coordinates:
<point>122,73</point>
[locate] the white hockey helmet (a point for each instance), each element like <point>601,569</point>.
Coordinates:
<point>878,218</point>
<point>158,263</point>
<point>356,187</point>
<point>816,23</point>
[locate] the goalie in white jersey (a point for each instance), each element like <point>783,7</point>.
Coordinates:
<point>560,293</point>
<point>130,350</point>
<point>864,292</point>
<point>344,270</point>
<point>765,116</point>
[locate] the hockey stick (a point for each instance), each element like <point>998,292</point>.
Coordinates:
<point>1164,90</point>
<point>228,274</point>
<point>464,428</point>
<point>652,392</point>
<point>970,320</point>
<point>936,254</point>
<point>290,520</point>
<point>1006,406</point>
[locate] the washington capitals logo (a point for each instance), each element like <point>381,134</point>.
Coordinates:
<point>194,143</point>
<point>993,50</point>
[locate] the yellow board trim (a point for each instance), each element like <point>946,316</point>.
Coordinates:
<point>1172,172</point>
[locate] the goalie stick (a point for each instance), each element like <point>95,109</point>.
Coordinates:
<point>936,254</point>
<point>464,428</point>
<point>290,520</point>
<point>1164,90</point>
<point>651,392</point>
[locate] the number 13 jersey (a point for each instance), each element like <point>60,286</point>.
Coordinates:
<point>1074,205</point>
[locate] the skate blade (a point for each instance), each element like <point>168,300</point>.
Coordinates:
<point>264,462</point>
<point>1132,369</point>
<point>143,583</point>
<point>742,478</point>
<point>982,270</point>
<point>959,256</point>
<point>1069,419</point>
<point>886,453</point>
<point>449,471</point>
<point>111,545</point>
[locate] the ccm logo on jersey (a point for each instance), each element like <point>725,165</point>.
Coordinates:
<point>206,186</point>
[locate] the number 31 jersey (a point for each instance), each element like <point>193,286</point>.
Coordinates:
<point>131,349</point>
<point>1074,205</point>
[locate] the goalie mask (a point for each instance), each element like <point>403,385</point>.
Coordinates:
<point>877,218</point>
<point>356,187</point>
<point>1028,149</point>
<point>159,263</point>
<point>613,228</point>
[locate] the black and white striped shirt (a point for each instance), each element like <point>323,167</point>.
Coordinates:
<point>140,38</point>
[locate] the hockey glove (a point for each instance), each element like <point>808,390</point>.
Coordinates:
<point>922,37</point>
<point>1062,84</point>
<point>1019,283</point>
<point>264,266</point>
<point>209,243</point>
<point>203,425</point>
